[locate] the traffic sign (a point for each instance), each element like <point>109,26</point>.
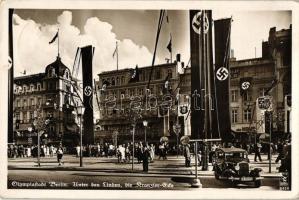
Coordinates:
<point>265,103</point>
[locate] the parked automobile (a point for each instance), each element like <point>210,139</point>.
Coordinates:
<point>233,164</point>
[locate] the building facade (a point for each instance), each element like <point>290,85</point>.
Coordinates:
<point>121,94</point>
<point>271,72</point>
<point>45,101</point>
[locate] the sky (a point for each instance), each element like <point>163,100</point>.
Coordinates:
<point>135,31</point>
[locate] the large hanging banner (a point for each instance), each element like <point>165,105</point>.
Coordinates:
<point>87,54</point>
<point>222,78</point>
<point>201,65</point>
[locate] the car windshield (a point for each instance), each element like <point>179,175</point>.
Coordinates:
<point>235,156</point>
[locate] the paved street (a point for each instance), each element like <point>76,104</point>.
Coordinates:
<point>106,173</point>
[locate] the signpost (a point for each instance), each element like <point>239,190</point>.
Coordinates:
<point>266,108</point>
<point>185,140</point>
<point>177,131</point>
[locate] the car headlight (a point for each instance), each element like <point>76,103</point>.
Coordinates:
<point>237,167</point>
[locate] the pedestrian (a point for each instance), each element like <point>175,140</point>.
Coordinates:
<point>145,157</point>
<point>199,157</point>
<point>51,150</point>
<point>128,153</point>
<point>152,152</point>
<point>187,156</point>
<point>28,152</point>
<point>59,153</point>
<point>280,152</point>
<point>161,150</point>
<point>78,151</point>
<point>257,151</point>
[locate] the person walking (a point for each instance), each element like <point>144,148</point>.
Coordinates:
<point>59,154</point>
<point>152,152</point>
<point>145,157</point>
<point>280,152</point>
<point>257,152</point>
<point>78,151</point>
<point>187,156</point>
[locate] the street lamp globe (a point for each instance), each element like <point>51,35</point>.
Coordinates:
<point>81,110</point>
<point>145,123</point>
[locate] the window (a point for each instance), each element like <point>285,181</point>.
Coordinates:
<point>234,115</point>
<point>24,88</point>
<point>17,116</point>
<point>247,96</point>
<point>234,96</point>
<point>31,116</point>
<point>38,87</point>
<point>117,80</point>
<point>247,115</point>
<point>234,73</point>
<point>31,88</point>
<point>262,91</point>
<point>158,74</point>
<point>113,81</point>
<point>170,73</point>
<point>68,88</point>
<point>51,86</point>
<point>122,80</point>
<point>39,101</point>
<point>140,91</point>
<point>32,103</point>
<point>25,116</point>
<point>24,103</point>
<point>18,103</point>
<point>66,74</point>
<point>51,72</point>
<point>132,92</point>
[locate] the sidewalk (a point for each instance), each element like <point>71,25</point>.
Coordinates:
<point>173,166</point>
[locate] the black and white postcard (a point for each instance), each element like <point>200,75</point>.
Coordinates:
<point>149,99</point>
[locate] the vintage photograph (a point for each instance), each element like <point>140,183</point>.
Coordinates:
<point>152,99</point>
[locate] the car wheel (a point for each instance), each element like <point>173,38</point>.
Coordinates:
<point>257,183</point>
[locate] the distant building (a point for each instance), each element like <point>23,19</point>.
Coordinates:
<point>122,93</point>
<point>45,96</point>
<point>273,69</point>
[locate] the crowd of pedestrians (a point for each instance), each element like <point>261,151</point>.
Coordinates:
<point>27,151</point>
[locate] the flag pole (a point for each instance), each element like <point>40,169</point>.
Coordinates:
<point>116,56</point>
<point>58,42</point>
<point>171,48</point>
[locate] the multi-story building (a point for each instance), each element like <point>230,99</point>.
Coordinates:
<point>45,96</point>
<point>120,94</point>
<point>273,69</point>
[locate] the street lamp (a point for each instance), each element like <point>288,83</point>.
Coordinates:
<point>145,123</point>
<point>80,111</point>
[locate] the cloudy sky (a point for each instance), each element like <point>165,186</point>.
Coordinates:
<point>135,31</point>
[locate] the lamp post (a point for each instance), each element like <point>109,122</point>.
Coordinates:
<point>145,123</point>
<point>80,111</point>
<point>177,130</point>
<point>133,139</point>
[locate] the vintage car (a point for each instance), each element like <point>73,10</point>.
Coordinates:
<point>233,164</point>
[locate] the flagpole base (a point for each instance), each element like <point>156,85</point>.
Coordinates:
<point>196,183</point>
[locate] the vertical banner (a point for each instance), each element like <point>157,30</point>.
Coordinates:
<point>222,78</point>
<point>197,114</point>
<point>201,73</point>
<point>87,54</point>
